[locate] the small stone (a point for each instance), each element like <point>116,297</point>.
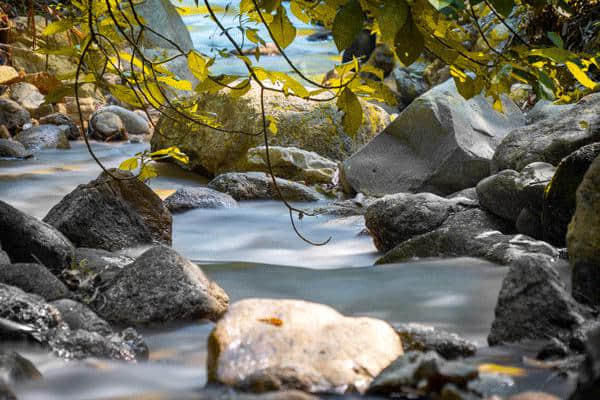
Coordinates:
<point>198,197</point>
<point>62,119</point>
<point>13,149</point>
<point>259,186</point>
<point>15,368</point>
<point>44,137</point>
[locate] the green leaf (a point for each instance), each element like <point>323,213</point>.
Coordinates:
<point>504,7</point>
<point>409,42</point>
<point>130,164</point>
<point>272,124</point>
<point>347,24</point>
<point>252,35</point>
<point>298,12</point>
<point>391,19</point>
<point>353,115</point>
<point>125,94</point>
<point>580,75</point>
<point>198,65</point>
<point>282,29</point>
<point>147,172</point>
<point>556,39</point>
<point>59,26</point>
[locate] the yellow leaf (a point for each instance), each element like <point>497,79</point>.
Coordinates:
<point>175,83</point>
<point>198,65</point>
<point>272,124</point>
<point>580,75</point>
<point>130,164</point>
<point>501,369</point>
<point>272,321</point>
<point>353,115</point>
<point>147,172</point>
<point>282,29</point>
<point>58,27</point>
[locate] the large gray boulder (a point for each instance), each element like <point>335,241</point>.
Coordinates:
<point>469,233</point>
<point>112,214</point>
<point>26,316</point>
<point>259,186</point>
<point>272,344</point>
<point>188,198</point>
<point>535,304</point>
<point>45,137</point>
<point>13,116</point>
<point>29,240</point>
<point>419,337</point>
<point>160,286</point>
<point>395,218</point>
<point>106,126</point>
<point>551,139</point>
<point>34,278</point>
<point>162,17</point>
<point>441,143</point>
<point>583,238</point>
<point>560,197</point>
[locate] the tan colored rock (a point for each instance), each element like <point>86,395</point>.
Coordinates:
<point>7,74</point>
<point>309,125</point>
<point>88,106</point>
<point>290,163</point>
<point>270,344</point>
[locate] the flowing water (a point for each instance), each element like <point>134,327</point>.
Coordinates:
<point>252,251</point>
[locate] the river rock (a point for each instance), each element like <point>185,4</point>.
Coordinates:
<point>544,109</point>
<point>346,208</point>
<point>395,218</point>
<point>410,83</point>
<point>310,125</point>
<point>106,126</point>
<point>440,143</point>
<point>13,149</point>
<point>535,304</point>
<point>34,278</point>
<point>259,186</point>
<point>12,115</point>
<point>271,344</point>
<point>112,214</point>
<point>29,240</point>
<point>588,382</point>
<point>424,338</point>
<point>469,233</point>
<point>4,258</point>
<point>21,41</point>
<point>28,316</point>
<point>426,373</point>
<point>161,286</point>
<point>290,163</point>
<point>44,137</point>
<point>583,238</point>
<point>95,267</point>
<point>551,139</point>
<point>62,119</point>
<point>27,95</point>
<point>559,200</point>
<point>198,197</point>
<point>16,368</point>
<point>79,316</point>
<point>134,123</point>
<point>506,193</point>
<point>7,74</point>
<point>161,16</point>
<point>533,396</point>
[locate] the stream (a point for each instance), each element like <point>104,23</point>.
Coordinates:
<point>252,251</point>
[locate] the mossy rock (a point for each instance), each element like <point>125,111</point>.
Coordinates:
<point>309,125</point>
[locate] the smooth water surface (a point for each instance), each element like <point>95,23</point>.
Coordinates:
<point>251,251</point>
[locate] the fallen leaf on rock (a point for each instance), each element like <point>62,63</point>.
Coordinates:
<point>272,320</point>
<point>501,369</point>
